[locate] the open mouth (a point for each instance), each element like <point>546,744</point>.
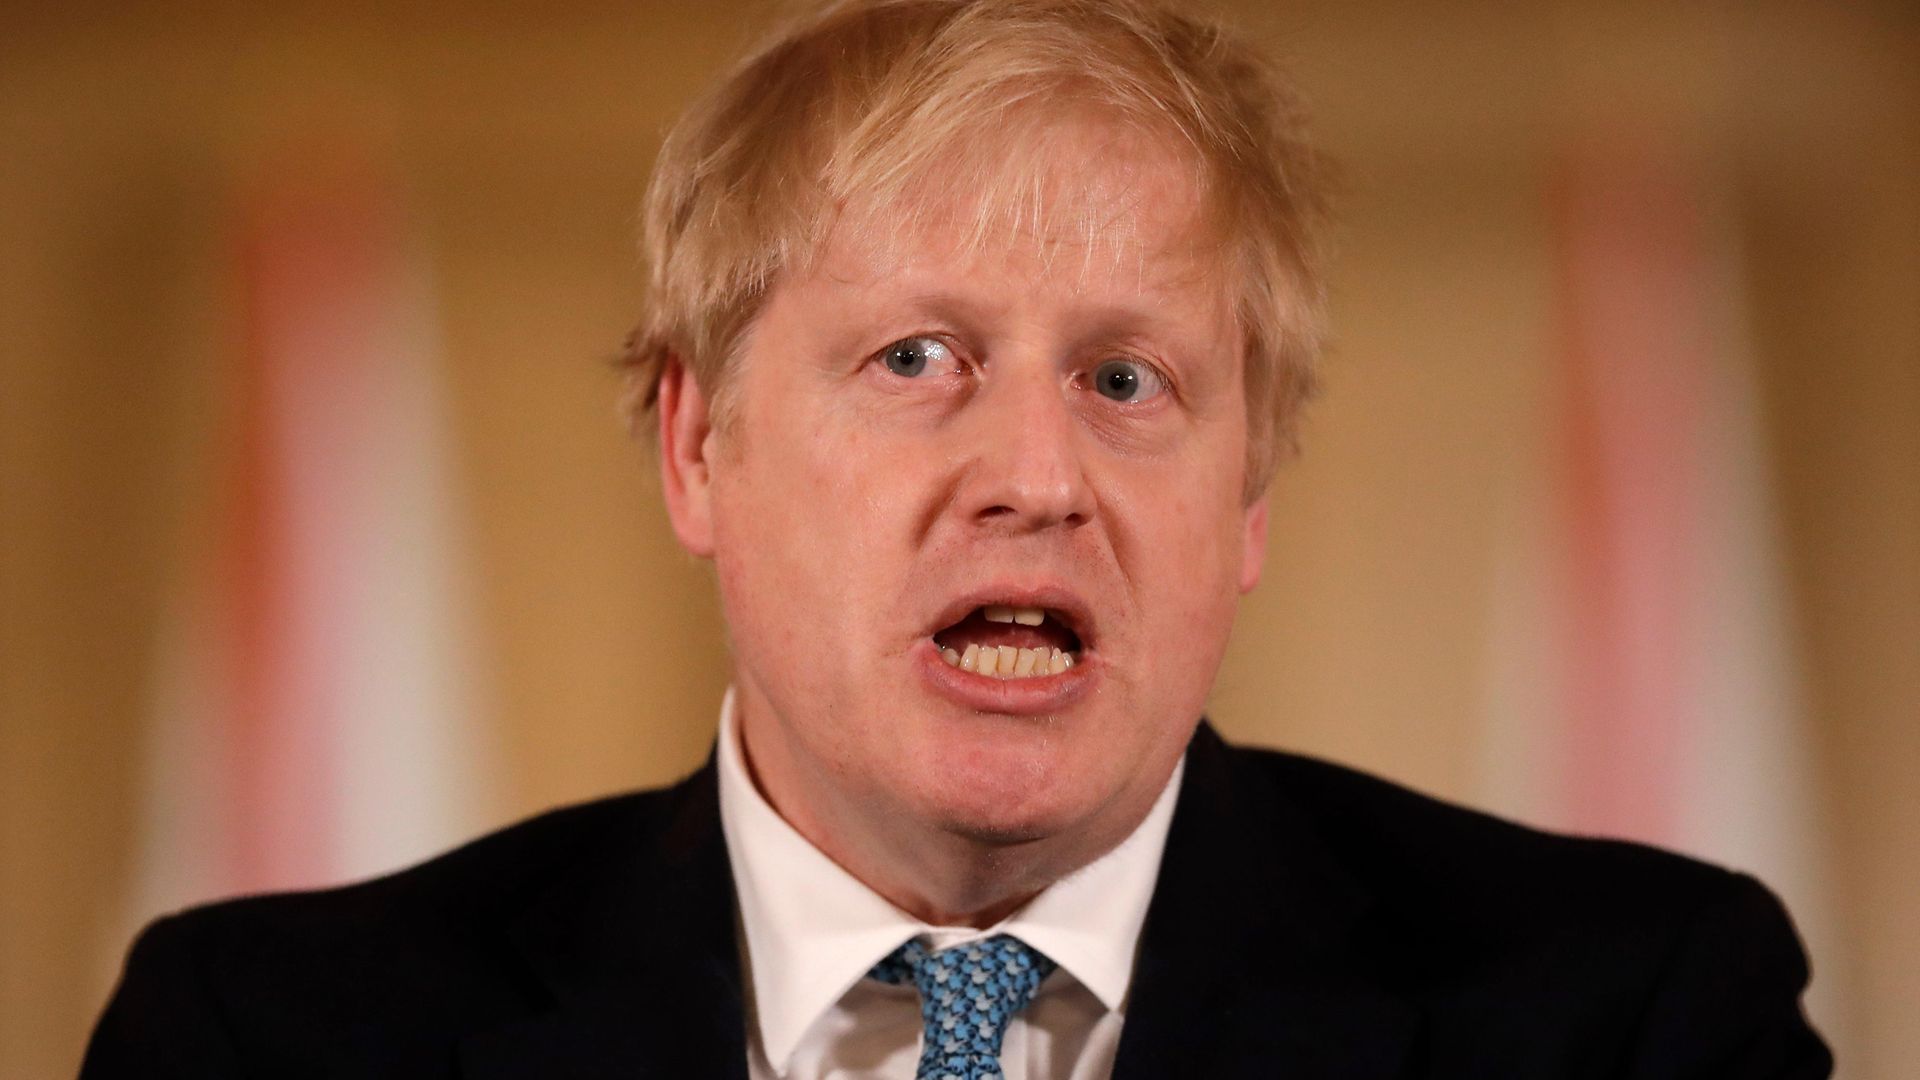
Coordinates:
<point>1005,641</point>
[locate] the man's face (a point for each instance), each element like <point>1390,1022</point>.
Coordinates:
<point>921,435</point>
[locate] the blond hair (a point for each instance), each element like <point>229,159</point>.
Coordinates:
<point>858,102</point>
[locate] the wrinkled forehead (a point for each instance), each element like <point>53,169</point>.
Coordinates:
<point>1085,202</point>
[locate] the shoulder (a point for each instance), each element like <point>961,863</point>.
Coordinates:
<point>414,954</point>
<point>1392,838</point>
<point>1484,917</point>
<point>470,889</point>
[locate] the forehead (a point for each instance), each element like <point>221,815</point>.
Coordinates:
<point>1085,207</point>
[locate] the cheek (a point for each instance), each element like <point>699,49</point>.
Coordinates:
<point>770,551</point>
<point>1190,515</point>
<point>783,483</point>
<point>810,515</point>
<point>1193,548</point>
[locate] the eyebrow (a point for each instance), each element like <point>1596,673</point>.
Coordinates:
<point>869,289</point>
<point>948,306</point>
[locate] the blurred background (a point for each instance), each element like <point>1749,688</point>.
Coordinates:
<point>322,546</point>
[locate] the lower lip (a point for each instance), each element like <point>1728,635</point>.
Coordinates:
<point>1036,695</point>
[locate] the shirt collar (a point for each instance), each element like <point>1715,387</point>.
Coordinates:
<point>813,930</point>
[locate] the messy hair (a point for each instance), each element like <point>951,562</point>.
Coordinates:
<point>854,106</point>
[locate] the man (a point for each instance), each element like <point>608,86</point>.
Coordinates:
<point>976,331</point>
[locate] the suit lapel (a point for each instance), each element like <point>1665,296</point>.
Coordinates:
<point>634,951</point>
<point>1254,959</point>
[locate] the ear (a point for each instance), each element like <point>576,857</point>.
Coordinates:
<point>685,444</point>
<point>1253,544</point>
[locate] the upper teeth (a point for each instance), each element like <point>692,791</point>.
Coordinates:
<point>1025,616</point>
<point>1004,661</point>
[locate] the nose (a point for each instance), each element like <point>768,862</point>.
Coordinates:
<point>1027,469</point>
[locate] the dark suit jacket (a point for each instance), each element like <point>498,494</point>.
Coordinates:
<point>1309,922</point>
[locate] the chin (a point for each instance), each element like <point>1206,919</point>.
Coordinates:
<point>1011,780</point>
<point>1025,802</point>
<point>1002,829</point>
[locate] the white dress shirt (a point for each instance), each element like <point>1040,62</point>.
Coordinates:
<point>811,931</point>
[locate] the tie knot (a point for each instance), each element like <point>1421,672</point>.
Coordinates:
<point>967,995</point>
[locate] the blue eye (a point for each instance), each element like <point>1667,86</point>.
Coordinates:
<point>913,357</point>
<point>1126,381</point>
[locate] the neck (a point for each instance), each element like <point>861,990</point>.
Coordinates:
<point>940,877</point>
<point>977,896</point>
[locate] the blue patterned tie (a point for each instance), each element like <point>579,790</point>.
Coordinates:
<point>968,994</point>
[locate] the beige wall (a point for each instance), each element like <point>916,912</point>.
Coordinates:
<point>525,137</point>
